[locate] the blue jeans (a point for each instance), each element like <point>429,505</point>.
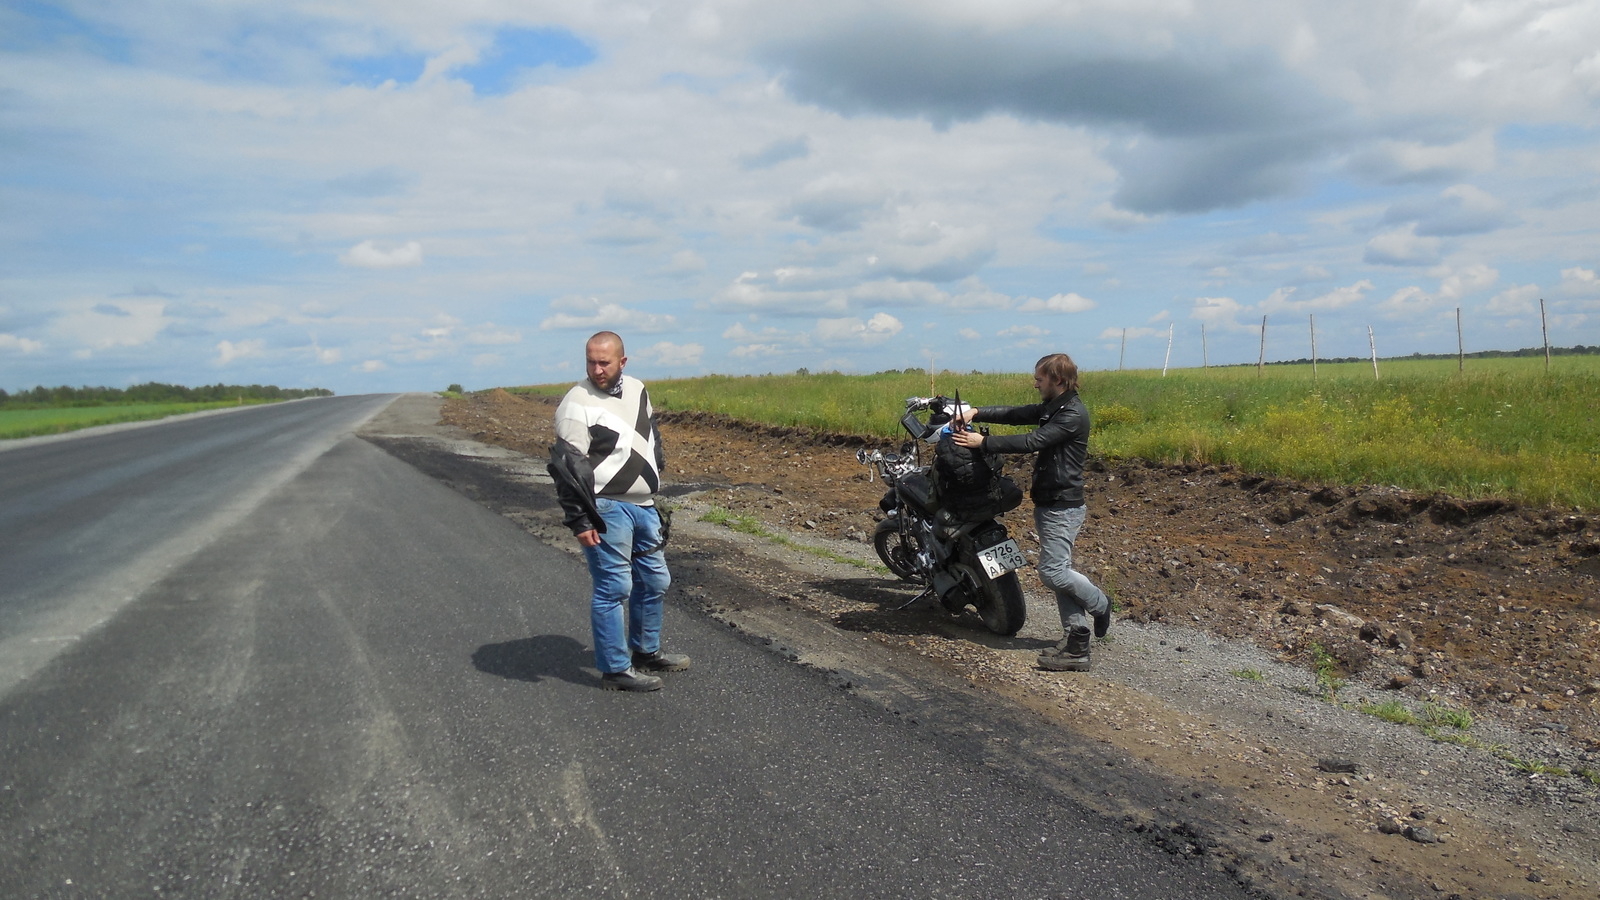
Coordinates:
<point>1077,597</point>
<point>627,565</point>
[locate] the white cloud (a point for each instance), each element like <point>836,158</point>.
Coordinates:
<point>325,355</point>
<point>1400,160</point>
<point>594,314</point>
<point>368,255</point>
<point>1408,303</point>
<point>1220,313</point>
<point>755,351</point>
<point>1454,284</point>
<point>489,334</point>
<point>1021,331</point>
<point>1470,280</point>
<point>10,343</point>
<point>930,251</point>
<point>1283,299</point>
<point>228,351</point>
<point>626,231</point>
<point>851,330</point>
<point>1118,219</point>
<point>686,262</point>
<point>106,325</point>
<point>1402,247</point>
<point>738,332</point>
<point>838,202</point>
<point>1517,300</point>
<point>1114,334</point>
<point>1578,280</point>
<point>371,365</point>
<point>972,295</point>
<point>1062,303</point>
<point>1457,210</point>
<point>666,353</point>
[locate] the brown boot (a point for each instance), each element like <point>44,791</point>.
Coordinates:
<point>1071,655</point>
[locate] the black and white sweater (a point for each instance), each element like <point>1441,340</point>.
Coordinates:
<point>617,436</point>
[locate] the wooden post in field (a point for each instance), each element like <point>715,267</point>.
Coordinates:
<point>1373,346</point>
<point>1205,361</point>
<point>1168,360</point>
<point>1313,346</point>
<point>1461,349</point>
<point>1261,361</point>
<point>1124,355</point>
<point>1544,329</point>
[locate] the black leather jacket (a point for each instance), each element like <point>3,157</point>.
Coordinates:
<point>1061,440</point>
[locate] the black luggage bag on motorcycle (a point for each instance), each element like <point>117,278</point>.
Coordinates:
<point>971,484</point>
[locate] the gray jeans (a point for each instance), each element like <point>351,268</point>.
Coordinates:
<point>1077,597</point>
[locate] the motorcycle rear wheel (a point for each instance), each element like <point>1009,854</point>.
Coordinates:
<point>999,601</point>
<point>897,550</point>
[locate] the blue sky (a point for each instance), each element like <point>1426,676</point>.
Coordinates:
<point>382,196</point>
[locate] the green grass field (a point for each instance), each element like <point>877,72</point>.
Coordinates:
<point>17,423</point>
<point>1503,428</point>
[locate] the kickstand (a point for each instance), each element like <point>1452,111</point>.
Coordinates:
<point>928,592</point>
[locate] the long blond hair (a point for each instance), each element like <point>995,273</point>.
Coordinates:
<point>1060,367</point>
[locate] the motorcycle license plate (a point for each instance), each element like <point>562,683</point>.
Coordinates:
<point>1001,558</point>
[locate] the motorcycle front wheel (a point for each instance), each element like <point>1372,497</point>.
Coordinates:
<point>999,601</point>
<point>897,550</point>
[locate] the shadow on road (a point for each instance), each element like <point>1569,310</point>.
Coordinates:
<point>923,617</point>
<point>536,658</point>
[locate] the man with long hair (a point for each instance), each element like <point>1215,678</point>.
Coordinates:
<point>1061,441</point>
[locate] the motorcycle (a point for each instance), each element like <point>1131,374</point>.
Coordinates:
<point>940,527</point>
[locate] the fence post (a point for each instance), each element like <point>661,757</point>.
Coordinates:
<point>1544,329</point>
<point>1461,349</point>
<point>1205,360</point>
<point>1168,360</point>
<point>1373,346</point>
<point>1313,346</point>
<point>1124,354</point>
<point>1261,361</point>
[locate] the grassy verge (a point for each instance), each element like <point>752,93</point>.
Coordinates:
<point>716,515</point>
<point>18,423</point>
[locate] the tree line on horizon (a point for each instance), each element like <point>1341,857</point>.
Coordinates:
<point>153,392</point>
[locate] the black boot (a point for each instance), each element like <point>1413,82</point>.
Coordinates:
<point>1102,621</point>
<point>660,661</point>
<point>630,679</point>
<point>1071,655</point>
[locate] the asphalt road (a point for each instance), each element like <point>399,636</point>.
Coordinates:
<point>277,661</point>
